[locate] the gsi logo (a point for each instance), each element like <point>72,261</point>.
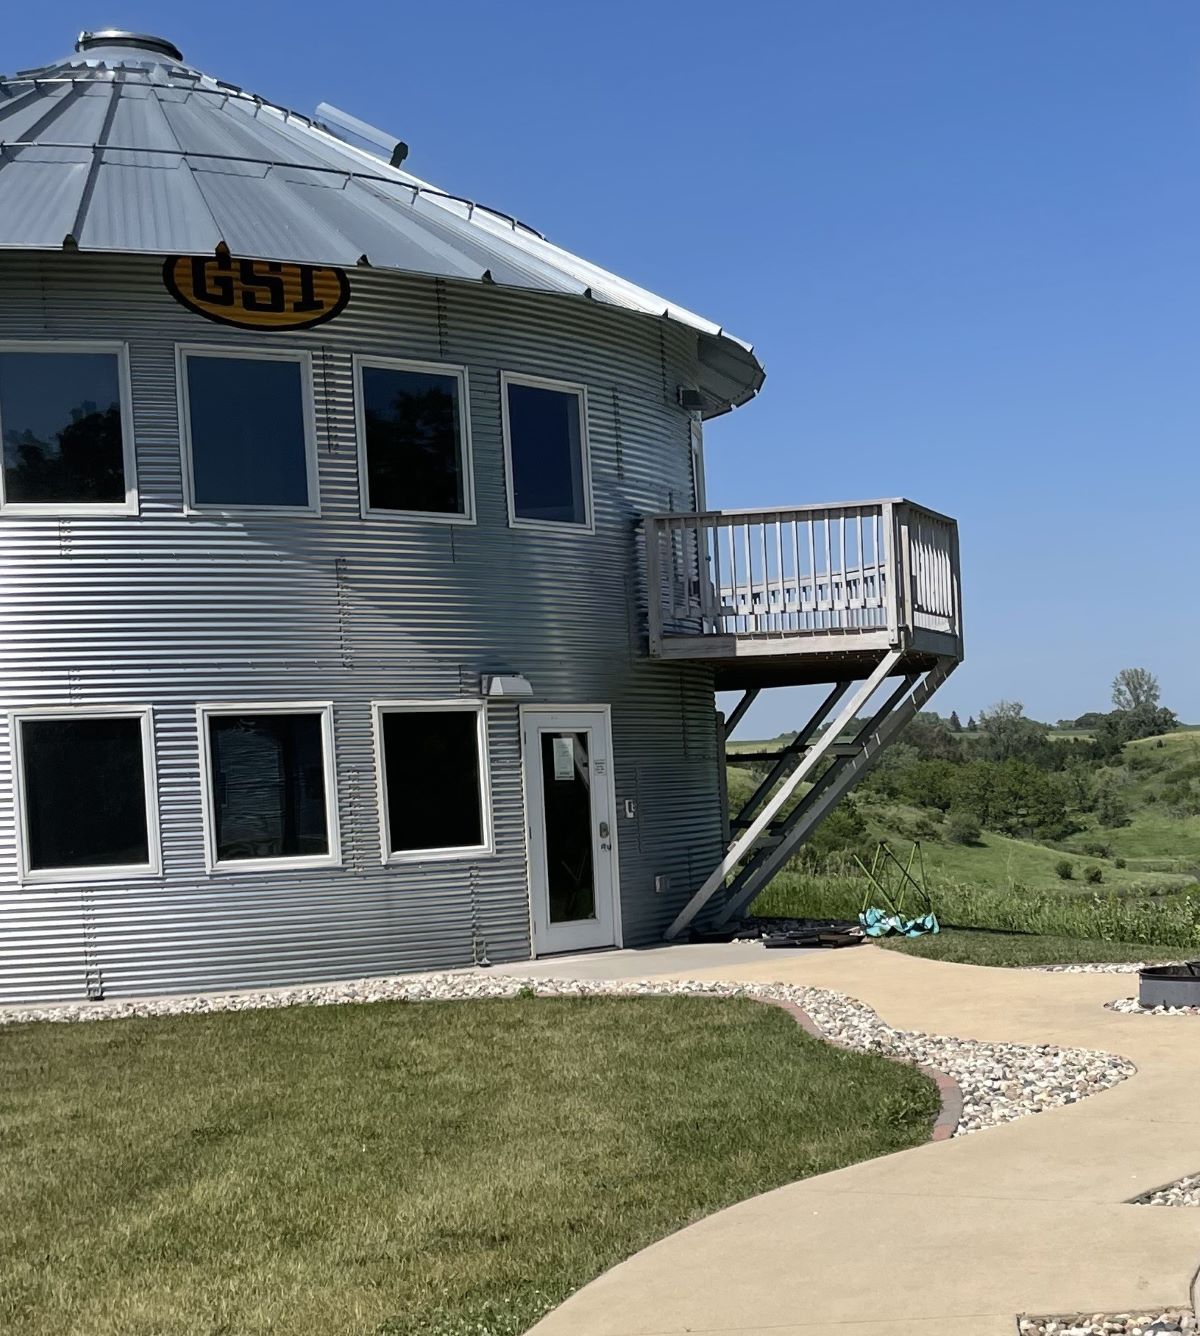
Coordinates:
<point>256,294</point>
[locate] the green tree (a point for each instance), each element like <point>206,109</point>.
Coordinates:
<point>1013,797</point>
<point>1009,736</point>
<point>931,783</point>
<point>1111,808</point>
<point>955,722</point>
<point>1138,714</point>
<point>1134,689</point>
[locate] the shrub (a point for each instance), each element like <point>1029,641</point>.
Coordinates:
<point>1092,875</point>
<point>1110,807</point>
<point>963,828</point>
<point>1065,869</point>
<point>1098,849</point>
<point>1119,862</point>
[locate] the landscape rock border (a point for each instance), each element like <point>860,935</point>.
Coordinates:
<point>1130,1006</point>
<point>1183,1191</point>
<point>1102,1324</point>
<point>1100,967</point>
<point>996,1083</point>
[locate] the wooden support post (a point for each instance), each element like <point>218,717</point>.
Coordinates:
<point>738,712</point>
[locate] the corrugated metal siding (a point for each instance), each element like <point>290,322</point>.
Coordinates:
<point>171,610</point>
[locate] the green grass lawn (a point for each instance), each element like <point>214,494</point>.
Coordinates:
<point>968,946</point>
<point>399,1169</point>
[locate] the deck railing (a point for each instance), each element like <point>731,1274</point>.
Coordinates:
<point>810,571</point>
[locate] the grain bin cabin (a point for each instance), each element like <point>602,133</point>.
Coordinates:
<point>360,610</point>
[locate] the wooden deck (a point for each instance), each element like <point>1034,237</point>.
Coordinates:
<point>811,594</point>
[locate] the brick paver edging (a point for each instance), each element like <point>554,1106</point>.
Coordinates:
<point>948,1089</point>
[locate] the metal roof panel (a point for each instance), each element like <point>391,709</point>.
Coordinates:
<point>124,148</point>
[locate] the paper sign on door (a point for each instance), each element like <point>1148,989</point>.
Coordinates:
<point>564,758</point>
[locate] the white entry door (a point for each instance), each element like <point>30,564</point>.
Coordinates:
<point>572,836</point>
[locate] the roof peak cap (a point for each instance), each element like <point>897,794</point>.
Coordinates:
<point>134,41</point>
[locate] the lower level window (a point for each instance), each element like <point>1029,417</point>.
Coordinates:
<point>270,784</point>
<point>433,764</point>
<point>86,793</point>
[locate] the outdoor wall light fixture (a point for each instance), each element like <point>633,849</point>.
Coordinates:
<point>510,684</point>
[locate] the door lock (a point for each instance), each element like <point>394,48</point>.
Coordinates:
<point>604,830</point>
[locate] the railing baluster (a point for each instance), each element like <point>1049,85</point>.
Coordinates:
<point>764,623</point>
<point>780,623</point>
<point>794,621</point>
<point>715,577</point>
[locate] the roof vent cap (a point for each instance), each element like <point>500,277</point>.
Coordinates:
<point>138,41</point>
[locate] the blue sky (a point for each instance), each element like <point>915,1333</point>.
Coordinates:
<point>961,234</point>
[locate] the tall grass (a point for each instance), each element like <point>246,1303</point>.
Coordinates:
<point>1163,920</point>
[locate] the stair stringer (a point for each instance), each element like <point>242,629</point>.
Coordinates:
<point>852,763</point>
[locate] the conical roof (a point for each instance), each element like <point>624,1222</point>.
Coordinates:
<point>121,146</point>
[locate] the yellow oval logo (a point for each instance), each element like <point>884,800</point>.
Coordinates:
<point>256,294</point>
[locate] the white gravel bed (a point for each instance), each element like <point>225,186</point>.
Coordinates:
<point>999,1082</point>
<point>1101,1324</point>
<point>1183,1192</point>
<point>1116,967</point>
<point>1130,1006</point>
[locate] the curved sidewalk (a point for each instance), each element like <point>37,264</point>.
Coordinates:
<point>1028,1217</point>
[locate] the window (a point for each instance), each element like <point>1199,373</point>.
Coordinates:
<point>65,425</point>
<point>545,446</point>
<point>433,780</point>
<point>414,440</point>
<point>86,794</point>
<point>247,431</point>
<point>270,791</point>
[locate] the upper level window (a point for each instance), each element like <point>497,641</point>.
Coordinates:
<point>270,791</point>
<point>414,440</point>
<point>65,427</point>
<point>247,431</point>
<point>86,794</point>
<point>546,452</point>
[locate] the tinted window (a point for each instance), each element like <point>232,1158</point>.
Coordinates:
<point>414,441</point>
<point>268,785</point>
<point>61,418</point>
<point>247,432</point>
<point>431,770</point>
<point>84,788</point>
<point>547,455</point>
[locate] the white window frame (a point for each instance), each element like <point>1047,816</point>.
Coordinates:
<point>467,852</point>
<point>28,875</point>
<point>216,709</point>
<point>237,352</point>
<point>49,347</point>
<point>367,510</point>
<point>508,378</point>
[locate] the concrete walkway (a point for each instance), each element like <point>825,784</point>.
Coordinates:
<point>1029,1217</point>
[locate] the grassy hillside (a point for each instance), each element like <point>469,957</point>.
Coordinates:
<point>1090,843</point>
<point>1004,861</point>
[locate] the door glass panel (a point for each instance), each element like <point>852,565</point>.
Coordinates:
<point>567,795</point>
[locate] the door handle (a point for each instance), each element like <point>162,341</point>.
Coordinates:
<point>604,830</point>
